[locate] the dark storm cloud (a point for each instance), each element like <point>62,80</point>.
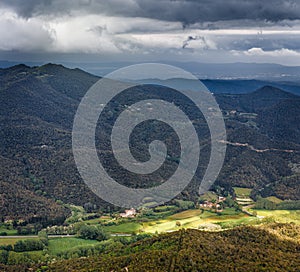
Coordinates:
<point>187,12</point>
<point>210,30</point>
<point>27,8</point>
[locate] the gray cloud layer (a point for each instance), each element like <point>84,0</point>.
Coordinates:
<point>185,11</point>
<point>222,30</point>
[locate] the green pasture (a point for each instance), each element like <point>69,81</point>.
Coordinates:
<point>127,227</point>
<point>57,245</point>
<point>281,216</point>
<point>193,219</point>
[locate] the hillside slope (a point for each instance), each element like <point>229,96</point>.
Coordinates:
<point>38,105</point>
<point>242,249</point>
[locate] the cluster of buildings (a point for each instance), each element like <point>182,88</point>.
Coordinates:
<point>213,205</point>
<point>129,213</point>
<point>207,204</point>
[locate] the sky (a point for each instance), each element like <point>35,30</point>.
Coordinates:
<point>215,31</point>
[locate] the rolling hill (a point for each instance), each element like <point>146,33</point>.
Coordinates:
<point>272,248</point>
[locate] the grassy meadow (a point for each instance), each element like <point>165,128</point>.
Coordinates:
<point>58,245</point>
<point>280,216</point>
<point>195,218</point>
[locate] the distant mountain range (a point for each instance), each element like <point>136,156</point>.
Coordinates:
<point>234,86</point>
<point>270,72</point>
<point>37,107</point>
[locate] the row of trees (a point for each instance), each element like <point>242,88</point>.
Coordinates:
<point>92,232</point>
<point>30,245</point>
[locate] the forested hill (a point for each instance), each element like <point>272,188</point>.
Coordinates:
<point>38,105</point>
<point>271,248</point>
<point>37,108</point>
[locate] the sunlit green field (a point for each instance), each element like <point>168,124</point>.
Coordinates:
<point>228,219</point>
<point>186,214</point>
<point>282,216</point>
<point>57,245</point>
<point>195,218</point>
<point>124,228</point>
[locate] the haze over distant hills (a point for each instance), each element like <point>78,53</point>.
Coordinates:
<point>218,77</point>
<point>36,115</point>
<point>222,71</point>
